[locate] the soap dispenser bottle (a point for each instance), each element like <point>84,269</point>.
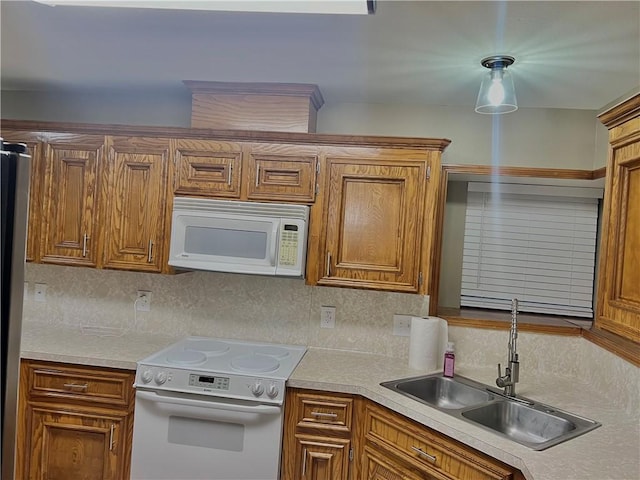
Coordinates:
<point>449,360</point>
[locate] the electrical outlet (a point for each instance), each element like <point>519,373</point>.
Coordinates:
<point>402,325</point>
<point>143,301</point>
<point>40,292</point>
<point>327,317</point>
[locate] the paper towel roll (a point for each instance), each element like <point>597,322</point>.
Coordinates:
<point>427,343</point>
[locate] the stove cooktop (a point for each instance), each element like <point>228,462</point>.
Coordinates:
<point>221,367</point>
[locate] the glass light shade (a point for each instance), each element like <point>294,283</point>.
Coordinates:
<point>497,94</point>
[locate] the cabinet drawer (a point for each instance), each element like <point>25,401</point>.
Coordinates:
<point>428,451</point>
<point>326,412</point>
<point>98,386</point>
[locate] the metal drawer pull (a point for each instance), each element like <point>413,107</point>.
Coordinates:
<point>84,245</point>
<point>304,462</point>
<point>229,176</point>
<point>424,454</point>
<point>76,387</point>
<point>257,175</point>
<point>328,264</point>
<point>327,415</point>
<point>113,427</point>
<point>150,257</point>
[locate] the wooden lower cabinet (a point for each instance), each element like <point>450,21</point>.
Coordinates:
<point>377,465</point>
<point>334,436</point>
<point>318,432</point>
<point>75,444</point>
<point>420,452</point>
<point>321,458</point>
<point>74,422</point>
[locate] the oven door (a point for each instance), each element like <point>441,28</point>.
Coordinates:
<point>189,437</point>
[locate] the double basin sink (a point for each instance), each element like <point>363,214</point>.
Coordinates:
<point>533,424</point>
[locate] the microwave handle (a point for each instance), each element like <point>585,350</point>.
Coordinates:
<point>275,235</point>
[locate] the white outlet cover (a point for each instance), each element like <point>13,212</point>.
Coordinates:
<point>327,317</point>
<point>402,325</point>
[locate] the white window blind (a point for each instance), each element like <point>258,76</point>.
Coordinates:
<point>530,242</point>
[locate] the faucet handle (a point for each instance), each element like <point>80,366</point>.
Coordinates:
<point>499,371</point>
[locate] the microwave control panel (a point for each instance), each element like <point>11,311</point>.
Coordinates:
<point>289,245</point>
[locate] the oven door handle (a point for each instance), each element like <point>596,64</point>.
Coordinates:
<point>258,409</point>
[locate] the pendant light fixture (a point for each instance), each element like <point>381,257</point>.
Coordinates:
<point>497,94</point>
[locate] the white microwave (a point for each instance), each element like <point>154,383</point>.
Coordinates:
<point>239,237</point>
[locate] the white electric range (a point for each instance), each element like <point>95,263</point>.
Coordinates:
<point>209,408</point>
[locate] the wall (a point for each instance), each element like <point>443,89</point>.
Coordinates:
<point>548,138</point>
<point>288,311</point>
<point>221,305</point>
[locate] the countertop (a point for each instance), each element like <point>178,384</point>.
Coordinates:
<point>611,451</point>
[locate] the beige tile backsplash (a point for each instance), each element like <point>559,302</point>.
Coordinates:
<point>288,311</point>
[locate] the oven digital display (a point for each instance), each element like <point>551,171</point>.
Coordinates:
<point>218,383</point>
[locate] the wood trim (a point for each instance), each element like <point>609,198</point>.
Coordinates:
<point>617,345</point>
<point>561,173</point>
<point>620,113</point>
<point>530,323</point>
<point>43,128</point>
<point>599,173</point>
<point>556,173</point>
<point>259,88</point>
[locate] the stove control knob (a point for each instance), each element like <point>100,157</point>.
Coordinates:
<point>161,377</point>
<point>272,391</point>
<point>146,376</point>
<point>257,389</point>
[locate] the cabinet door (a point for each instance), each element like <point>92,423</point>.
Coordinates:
<point>135,200</point>
<point>207,168</point>
<point>35,188</point>
<point>67,444</point>
<point>619,299</point>
<point>281,172</point>
<point>321,458</point>
<point>69,226</point>
<point>374,213</point>
<point>377,465</point>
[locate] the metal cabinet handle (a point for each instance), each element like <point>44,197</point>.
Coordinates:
<point>257,175</point>
<point>304,462</point>
<point>84,245</point>
<point>150,256</point>
<point>111,442</point>
<point>76,387</point>
<point>328,264</point>
<point>229,175</point>
<point>424,454</point>
<point>322,414</point>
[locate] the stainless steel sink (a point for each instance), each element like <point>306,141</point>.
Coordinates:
<point>533,424</point>
<point>536,426</point>
<point>442,392</point>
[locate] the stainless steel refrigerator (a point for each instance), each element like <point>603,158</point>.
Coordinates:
<point>14,197</point>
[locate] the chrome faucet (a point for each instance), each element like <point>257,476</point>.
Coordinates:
<point>512,371</point>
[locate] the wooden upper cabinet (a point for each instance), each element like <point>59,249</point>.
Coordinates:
<point>207,168</point>
<point>374,213</point>
<point>619,275</point>
<point>135,192</point>
<point>242,171</point>
<point>281,172</point>
<point>35,146</point>
<point>71,219</point>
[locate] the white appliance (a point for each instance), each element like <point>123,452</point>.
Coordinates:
<point>211,409</point>
<point>239,237</point>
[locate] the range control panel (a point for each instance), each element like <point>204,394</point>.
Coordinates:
<point>217,383</point>
<point>245,387</point>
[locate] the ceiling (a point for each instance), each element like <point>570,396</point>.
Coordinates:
<point>578,55</point>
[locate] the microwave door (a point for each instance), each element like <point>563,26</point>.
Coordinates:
<point>238,245</point>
